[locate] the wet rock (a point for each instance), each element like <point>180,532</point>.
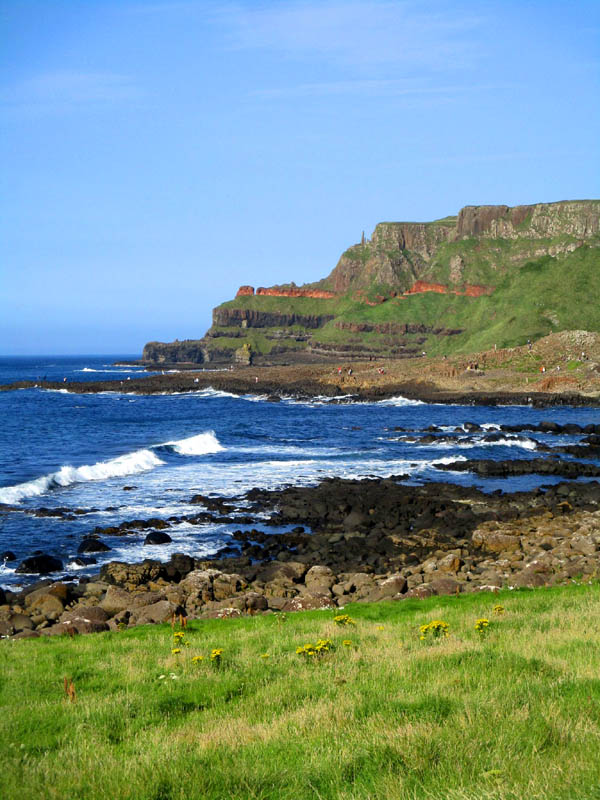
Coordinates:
<point>82,562</point>
<point>8,556</point>
<point>92,545</point>
<point>41,564</point>
<point>157,537</point>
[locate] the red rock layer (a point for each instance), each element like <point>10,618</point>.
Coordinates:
<point>314,293</point>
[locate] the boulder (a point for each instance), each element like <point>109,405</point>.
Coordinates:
<point>395,584</point>
<point>122,574</point>
<point>449,563</point>
<point>157,612</point>
<point>115,600</point>
<point>226,585</point>
<point>27,634</point>
<point>255,602</point>
<point>583,544</point>
<point>275,570</point>
<point>355,519</point>
<point>157,537</point>
<point>307,602</point>
<point>85,614</point>
<point>445,585</point>
<point>92,545</point>
<point>181,563</point>
<point>421,591</point>
<point>319,580</point>
<point>197,587</point>
<point>41,564</point>
<point>528,578</point>
<point>47,605</point>
<point>495,542</point>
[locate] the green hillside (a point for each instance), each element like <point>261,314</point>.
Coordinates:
<point>538,268</point>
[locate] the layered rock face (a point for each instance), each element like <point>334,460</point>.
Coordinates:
<point>467,255</point>
<point>191,350</point>
<point>248,318</point>
<point>402,253</point>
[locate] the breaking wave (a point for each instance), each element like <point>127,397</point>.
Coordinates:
<point>129,464</point>
<point>199,445</point>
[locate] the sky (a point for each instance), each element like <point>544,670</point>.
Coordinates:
<point>157,155</point>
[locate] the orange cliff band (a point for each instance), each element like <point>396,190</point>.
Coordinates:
<point>470,290</point>
<point>420,287</point>
<point>248,291</point>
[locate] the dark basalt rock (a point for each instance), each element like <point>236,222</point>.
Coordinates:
<point>92,545</point>
<point>8,555</point>
<point>535,466</point>
<point>157,537</point>
<point>40,564</point>
<point>83,562</point>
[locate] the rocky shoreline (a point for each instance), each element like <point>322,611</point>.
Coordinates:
<point>349,540</point>
<point>307,383</point>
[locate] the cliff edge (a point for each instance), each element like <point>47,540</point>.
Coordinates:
<point>492,275</point>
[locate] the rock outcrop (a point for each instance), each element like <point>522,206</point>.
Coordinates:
<point>467,255</point>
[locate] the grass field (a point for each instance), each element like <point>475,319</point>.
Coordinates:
<point>513,713</point>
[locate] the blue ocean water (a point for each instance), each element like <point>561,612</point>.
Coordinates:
<point>60,449</point>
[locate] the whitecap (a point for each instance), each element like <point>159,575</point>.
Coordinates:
<point>198,445</point>
<point>128,464</point>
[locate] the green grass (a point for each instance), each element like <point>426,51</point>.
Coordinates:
<point>514,715</point>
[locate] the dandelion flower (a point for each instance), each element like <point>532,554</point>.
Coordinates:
<point>175,651</point>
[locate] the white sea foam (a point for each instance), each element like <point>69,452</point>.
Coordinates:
<point>122,371</point>
<point>399,402</point>
<point>199,445</point>
<point>128,464</point>
<point>465,444</point>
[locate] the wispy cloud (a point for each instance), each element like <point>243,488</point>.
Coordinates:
<point>64,90</point>
<point>357,32</point>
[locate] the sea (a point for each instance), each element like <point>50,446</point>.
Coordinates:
<point>117,456</point>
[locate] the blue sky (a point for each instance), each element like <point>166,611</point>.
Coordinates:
<point>156,155</point>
